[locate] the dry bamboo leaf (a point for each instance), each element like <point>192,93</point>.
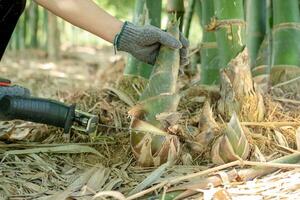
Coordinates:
<point>280,139</point>
<point>222,194</point>
<point>124,97</point>
<point>114,194</point>
<point>34,187</point>
<point>115,182</point>
<point>258,155</point>
<point>59,149</point>
<point>82,179</point>
<point>187,159</point>
<point>156,174</point>
<point>99,178</point>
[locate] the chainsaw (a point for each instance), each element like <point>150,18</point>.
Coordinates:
<point>17,104</point>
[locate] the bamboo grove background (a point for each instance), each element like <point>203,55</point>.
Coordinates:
<point>39,29</point>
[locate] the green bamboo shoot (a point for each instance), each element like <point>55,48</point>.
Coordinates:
<point>157,105</point>
<point>176,7</point>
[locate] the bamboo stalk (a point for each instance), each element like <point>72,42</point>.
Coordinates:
<point>256,27</point>
<point>286,44</point>
<point>230,29</point>
<point>188,18</point>
<point>261,70</point>
<point>209,53</point>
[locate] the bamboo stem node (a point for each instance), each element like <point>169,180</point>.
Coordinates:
<point>216,24</point>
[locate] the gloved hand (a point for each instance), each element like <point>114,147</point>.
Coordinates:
<point>143,42</point>
<point>7,89</point>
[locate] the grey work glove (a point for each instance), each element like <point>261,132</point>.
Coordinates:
<point>144,42</point>
<point>14,91</point>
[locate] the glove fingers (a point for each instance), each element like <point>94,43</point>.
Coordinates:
<point>184,56</point>
<point>184,62</point>
<point>185,43</point>
<point>149,54</point>
<point>184,53</point>
<point>168,40</point>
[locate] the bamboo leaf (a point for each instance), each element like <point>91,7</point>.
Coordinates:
<point>124,97</point>
<point>59,149</point>
<point>150,179</point>
<point>98,179</point>
<point>280,139</point>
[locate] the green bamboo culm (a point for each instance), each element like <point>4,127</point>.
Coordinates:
<point>159,97</point>
<point>188,18</point>
<point>230,28</point>
<point>256,27</point>
<point>176,7</point>
<point>209,53</point>
<point>146,11</point>
<point>261,69</point>
<point>286,44</point>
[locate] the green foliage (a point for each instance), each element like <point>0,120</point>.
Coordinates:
<point>118,8</point>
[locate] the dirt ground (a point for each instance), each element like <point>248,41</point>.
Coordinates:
<point>40,162</point>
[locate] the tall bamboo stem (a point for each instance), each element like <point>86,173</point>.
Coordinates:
<point>256,27</point>
<point>261,70</point>
<point>188,18</point>
<point>230,28</point>
<point>209,52</point>
<point>286,43</point>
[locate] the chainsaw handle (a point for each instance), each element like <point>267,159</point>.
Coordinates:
<point>37,110</point>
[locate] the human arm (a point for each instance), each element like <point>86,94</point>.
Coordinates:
<point>85,14</point>
<point>143,42</point>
